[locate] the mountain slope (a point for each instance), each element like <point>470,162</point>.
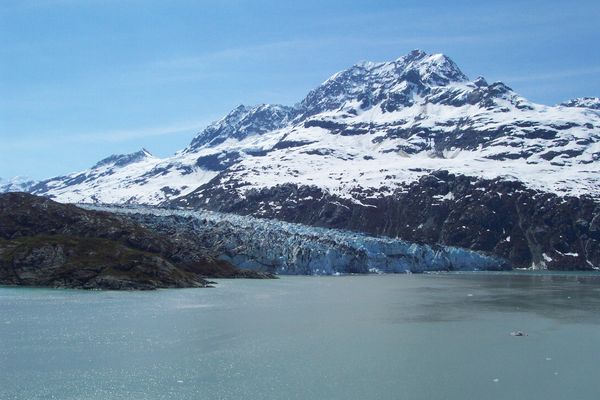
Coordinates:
<point>584,102</point>
<point>374,126</point>
<point>16,184</point>
<point>392,138</point>
<point>527,228</point>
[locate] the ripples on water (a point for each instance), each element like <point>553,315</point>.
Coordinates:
<point>439,336</point>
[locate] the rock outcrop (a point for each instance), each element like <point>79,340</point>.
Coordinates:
<point>44,243</point>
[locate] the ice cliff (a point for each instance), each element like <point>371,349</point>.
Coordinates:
<point>287,248</point>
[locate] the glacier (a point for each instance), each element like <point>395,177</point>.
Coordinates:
<point>295,249</point>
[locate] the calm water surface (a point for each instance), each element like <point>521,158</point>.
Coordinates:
<point>429,337</point>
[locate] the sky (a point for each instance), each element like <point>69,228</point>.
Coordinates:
<point>83,79</point>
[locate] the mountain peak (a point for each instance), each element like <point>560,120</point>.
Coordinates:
<point>415,54</point>
<point>480,82</point>
<point>243,121</point>
<point>16,184</point>
<point>583,102</point>
<point>365,82</point>
<point>121,160</point>
<point>370,128</point>
<point>433,69</point>
<point>416,71</point>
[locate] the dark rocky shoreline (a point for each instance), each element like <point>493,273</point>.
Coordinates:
<point>44,243</point>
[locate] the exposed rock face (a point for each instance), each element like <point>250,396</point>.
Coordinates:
<point>526,227</point>
<point>88,263</point>
<point>242,122</point>
<point>392,85</point>
<point>592,103</point>
<point>122,160</point>
<point>44,243</point>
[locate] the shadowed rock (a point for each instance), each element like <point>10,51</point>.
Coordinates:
<point>44,243</point>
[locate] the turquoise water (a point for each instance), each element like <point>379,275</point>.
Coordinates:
<point>443,336</point>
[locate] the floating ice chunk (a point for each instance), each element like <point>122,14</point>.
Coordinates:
<point>518,333</point>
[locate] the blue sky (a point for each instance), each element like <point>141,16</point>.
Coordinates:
<point>82,79</point>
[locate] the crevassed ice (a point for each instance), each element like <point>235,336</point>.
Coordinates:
<point>287,248</point>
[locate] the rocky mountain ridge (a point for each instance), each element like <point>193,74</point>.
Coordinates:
<point>370,140</point>
<point>372,126</point>
<point>592,103</point>
<point>17,184</point>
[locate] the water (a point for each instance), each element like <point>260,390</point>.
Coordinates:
<point>429,337</point>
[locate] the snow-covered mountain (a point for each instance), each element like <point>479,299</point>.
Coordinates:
<point>374,126</point>
<point>410,148</point>
<point>125,178</point>
<point>17,184</point>
<point>584,102</point>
